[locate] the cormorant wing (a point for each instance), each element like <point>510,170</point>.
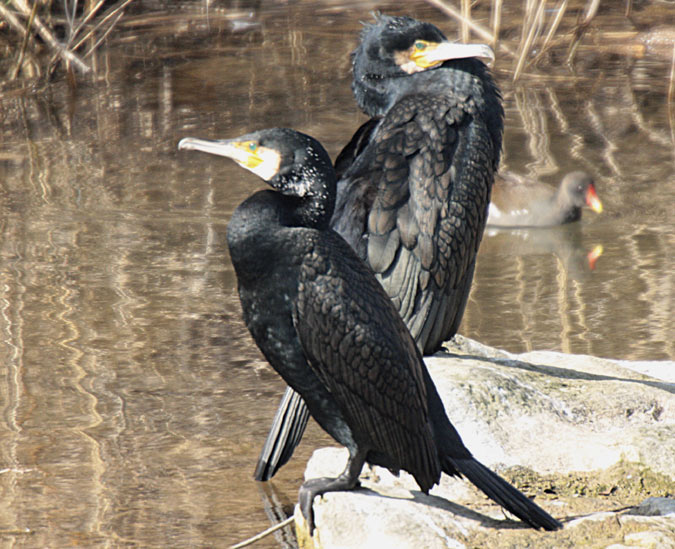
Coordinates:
<point>413,204</point>
<point>353,149</point>
<point>361,350</point>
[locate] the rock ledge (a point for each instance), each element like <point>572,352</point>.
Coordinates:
<point>593,440</point>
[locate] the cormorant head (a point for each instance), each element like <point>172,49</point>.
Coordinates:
<point>291,162</point>
<point>577,189</point>
<point>395,47</point>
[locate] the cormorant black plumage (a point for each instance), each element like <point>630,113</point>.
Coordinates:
<point>326,325</point>
<point>414,185</point>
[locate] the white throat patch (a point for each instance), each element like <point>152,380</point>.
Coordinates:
<point>269,167</point>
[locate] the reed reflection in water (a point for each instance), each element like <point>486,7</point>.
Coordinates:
<point>133,401</point>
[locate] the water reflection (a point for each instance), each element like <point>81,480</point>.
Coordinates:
<point>133,401</point>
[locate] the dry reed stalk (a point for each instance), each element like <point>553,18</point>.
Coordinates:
<point>481,31</point>
<point>24,43</point>
<point>66,52</point>
<point>11,19</point>
<point>114,12</point>
<point>496,21</point>
<point>466,16</point>
<point>527,19</point>
<point>580,30</point>
<point>14,23</point>
<point>560,12</point>
<point>261,535</point>
<point>68,56</point>
<point>536,21</point>
<point>86,19</point>
<point>104,35</point>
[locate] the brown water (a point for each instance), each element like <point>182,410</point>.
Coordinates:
<point>133,401</point>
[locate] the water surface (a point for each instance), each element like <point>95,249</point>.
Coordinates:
<point>133,401</point>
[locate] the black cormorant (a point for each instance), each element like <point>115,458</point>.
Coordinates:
<point>326,325</point>
<point>414,185</point>
<point>520,202</point>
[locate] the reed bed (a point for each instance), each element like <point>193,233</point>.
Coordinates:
<point>40,36</point>
<point>547,25</point>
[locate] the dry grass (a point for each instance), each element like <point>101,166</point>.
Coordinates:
<point>84,33</point>
<point>546,25</point>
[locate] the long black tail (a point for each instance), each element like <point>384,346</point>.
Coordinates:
<point>285,434</point>
<point>497,489</point>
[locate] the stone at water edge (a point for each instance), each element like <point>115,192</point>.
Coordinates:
<point>549,412</point>
<point>556,413</point>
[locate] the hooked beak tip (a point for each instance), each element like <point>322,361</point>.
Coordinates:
<point>184,144</point>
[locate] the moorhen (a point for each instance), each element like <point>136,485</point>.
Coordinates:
<point>520,202</point>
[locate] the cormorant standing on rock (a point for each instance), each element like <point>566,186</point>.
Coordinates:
<point>329,329</point>
<point>414,185</point>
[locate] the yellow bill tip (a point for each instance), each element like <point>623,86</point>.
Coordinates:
<point>592,200</point>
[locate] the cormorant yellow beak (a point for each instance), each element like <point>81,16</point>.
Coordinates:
<point>262,161</point>
<point>592,200</point>
<point>426,55</point>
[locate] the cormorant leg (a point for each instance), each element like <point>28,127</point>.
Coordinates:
<point>348,480</point>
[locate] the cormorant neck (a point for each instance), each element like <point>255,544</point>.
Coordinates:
<point>312,199</point>
<point>377,93</point>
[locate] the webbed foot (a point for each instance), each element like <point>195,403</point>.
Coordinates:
<point>317,487</point>
<point>348,480</point>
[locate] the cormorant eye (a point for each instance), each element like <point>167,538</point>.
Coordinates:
<point>252,146</point>
<point>419,45</point>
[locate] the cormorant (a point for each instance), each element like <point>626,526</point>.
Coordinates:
<point>414,185</point>
<point>326,325</point>
<point>520,202</point>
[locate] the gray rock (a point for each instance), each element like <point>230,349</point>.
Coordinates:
<point>569,418</point>
<point>649,539</point>
<point>533,409</point>
<point>655,507</point>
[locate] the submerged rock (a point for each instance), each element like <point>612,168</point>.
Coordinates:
<point>593,440</point>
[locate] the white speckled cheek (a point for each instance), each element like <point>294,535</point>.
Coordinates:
<point>269,167</point>
<point>303,186</point>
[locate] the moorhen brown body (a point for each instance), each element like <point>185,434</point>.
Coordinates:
<point>520,202</point>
